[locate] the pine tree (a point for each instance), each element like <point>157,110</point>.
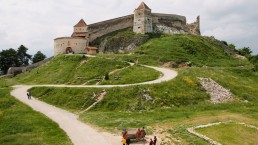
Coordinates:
<point>39,56</point>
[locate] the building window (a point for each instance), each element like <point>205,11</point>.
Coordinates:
<point>139,27</point>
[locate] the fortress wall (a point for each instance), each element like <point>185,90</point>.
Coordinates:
<point>17,70</point>
<point>99,29</point>
<point>77,44</point>
<point>169,20</point>
<point>194,28</point>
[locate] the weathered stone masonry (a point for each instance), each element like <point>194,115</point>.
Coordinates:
<point>142,21</point>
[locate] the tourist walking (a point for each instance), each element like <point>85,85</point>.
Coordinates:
<point>29,95</point>
<point>154,140</point>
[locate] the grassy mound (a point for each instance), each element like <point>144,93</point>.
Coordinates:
<point>57,71</point>
<point>70,69</point>
<point>196,50</point>
<point>21,125</point>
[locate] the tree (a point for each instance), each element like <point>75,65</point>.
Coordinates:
<point>254,61</point>
<point>23,56</point>
<point>246,51</point>
<point>39,56</point>
<point>232,47</point>
<point>8,58</point>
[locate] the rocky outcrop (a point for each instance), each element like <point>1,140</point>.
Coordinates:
<point>122,44</point>
<point>218,93</point>
<point>168,30</point>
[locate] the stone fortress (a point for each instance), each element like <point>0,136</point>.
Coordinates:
<point>142,21</point>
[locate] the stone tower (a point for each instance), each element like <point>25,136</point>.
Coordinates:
<point>142,19</point>
<point>80,29</point>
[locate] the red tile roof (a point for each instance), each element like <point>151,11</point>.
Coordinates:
<point>79,34</point>
<point>91,48</point>
<point>143,6</point>
<point>81,23</point>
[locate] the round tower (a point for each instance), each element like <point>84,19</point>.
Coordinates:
<point>142,19</point>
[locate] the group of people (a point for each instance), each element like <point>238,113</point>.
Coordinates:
<point>154,141</point>
<point>139,135</point>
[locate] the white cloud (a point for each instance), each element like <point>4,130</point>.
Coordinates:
<point>36,23</point>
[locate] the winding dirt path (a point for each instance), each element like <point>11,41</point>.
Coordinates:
<point>79,132</point>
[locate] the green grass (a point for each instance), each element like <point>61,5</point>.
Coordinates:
<point>182,91</point>
<point>19,124</point>
<point>133,74</point>
<point>57,71</point>
<point>231,134</point>
<point>178,100</point>
<point>175,103</point>
<point>70,69</point>
<point>72,99</point>
<point>181,48</point>
<point>94,68</point>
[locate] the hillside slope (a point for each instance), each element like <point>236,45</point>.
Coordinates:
<point>70,69</point>
<point>78,69</point>
<point>180,49</point>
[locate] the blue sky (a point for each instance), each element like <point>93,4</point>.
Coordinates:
<point>35,23</point>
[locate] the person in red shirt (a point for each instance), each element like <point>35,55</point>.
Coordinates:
<point>151,142</point>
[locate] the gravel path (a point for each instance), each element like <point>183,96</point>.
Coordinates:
<point>80,133</point>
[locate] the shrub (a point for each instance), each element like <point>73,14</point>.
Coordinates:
<point>188,81</point>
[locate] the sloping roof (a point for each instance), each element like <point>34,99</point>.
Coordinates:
<point>77,34</point>
<point>143,6</point>
<point>91,48</point>
<point>81,23</point>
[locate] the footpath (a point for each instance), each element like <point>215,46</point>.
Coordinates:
<point>79,132</point>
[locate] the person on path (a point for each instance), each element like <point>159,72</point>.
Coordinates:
<point>29,95</point>
<point>123,141</point>
<point>143,133</point>
<point>151,142</point>
<point>154,140</point>
<point>138,134</point>
<point>128,141</point>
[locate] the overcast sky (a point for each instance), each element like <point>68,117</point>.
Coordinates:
<point>35,23</point>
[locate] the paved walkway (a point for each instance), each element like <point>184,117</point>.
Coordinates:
<point>80,133</point>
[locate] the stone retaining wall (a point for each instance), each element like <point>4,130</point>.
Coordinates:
<point>17,70</point>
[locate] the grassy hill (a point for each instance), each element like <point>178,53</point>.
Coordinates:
<point>78,69</point>
<point>174,105</point>
<point>197,50</point>
<point>166,109</point>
